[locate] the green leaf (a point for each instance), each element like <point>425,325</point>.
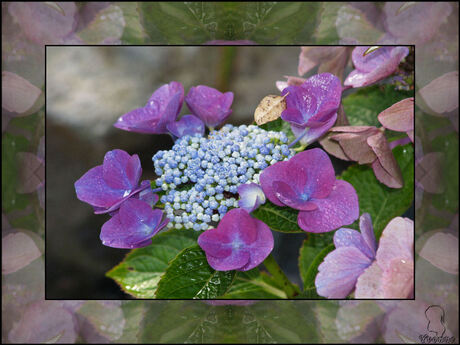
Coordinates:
<point>271,22</point>
<point>326,31</point>
<point>253,285</point>
<point>381,202</point>
<point>190,276</point>
<point>279,126</point>
<point>138,274</point>
<point>107,25</point>
<point>202,323</point>
<point>363,106</point>
<point>310,258</point>
<point>448,200</point>
<point>134,32</point>
<point>11,145</point>
<point>179,22</point>
<point>282,219</point>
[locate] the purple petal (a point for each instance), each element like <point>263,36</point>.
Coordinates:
<point>315,133</point>
<point>120,170</point>
<point>92,189</point>
<point>239,243</point>
<point>147,195</point>
<point>352,238</point>
<point>134,193</point>
<point>293,116</point>
<point>214,242</point>
<point>234,261</point>
<point>367,231</point>
<point>162,108</point>
<point>398,279</point>
<point>251,196</point>
<point>339,208</point>
<point>320,175</point>
<point>275,172</point>
<point>239,226</point>
<point>261,247</point>
<point>301,105</point>
<point>338,273</point>
<point>187,125</point>
<point>132,226</point>
<point>209,104</point>
<point>399,117</point>
<point>292,199</point>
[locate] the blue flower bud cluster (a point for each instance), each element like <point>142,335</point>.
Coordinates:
<point>199,177</point>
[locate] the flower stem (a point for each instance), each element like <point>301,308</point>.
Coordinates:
<point>298,138</point>
<point>275,270</point>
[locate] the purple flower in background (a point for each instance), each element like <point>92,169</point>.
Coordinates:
<point>210,105</point>
<point>355,251</point>
<point>374,66</point>
<point>106,186</point>
<point>251,196</point>
<point>161,109</point>
<point>306,182</point>
<point>187,125</point>
<point>133,226</point>
<point>239,242</point>
<point>311,108</point>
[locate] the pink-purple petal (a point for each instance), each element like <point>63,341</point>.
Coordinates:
<point>292,199</point>
<point>275,172</point>
<point>320,175</point>
<point>338,209</point>
<point>215,243</point>
<point>240,242</point>
<point>338,273</point>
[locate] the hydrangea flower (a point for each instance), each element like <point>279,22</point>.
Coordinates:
<point>187,125</point>
<point>239,242</point>
<point>133,226</point>
<point>375,65</point>
<point>399,117</point>
<point>311,108</point>
<point>391,275</point>
<point>161,109</point>
<point>306,182</point>
<point>209,104</point>
<point>354,252</point>
<point>201,176</point>
<point>251,196</point>
<point>106,186</point>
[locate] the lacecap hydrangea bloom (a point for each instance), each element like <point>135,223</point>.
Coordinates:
<point>200,176</point>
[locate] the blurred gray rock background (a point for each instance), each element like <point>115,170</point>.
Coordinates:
<point>87,89</point>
